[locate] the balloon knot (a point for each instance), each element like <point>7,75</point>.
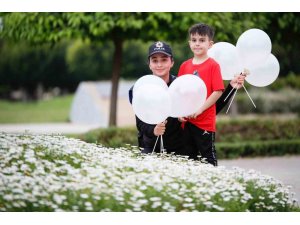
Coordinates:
<point>246,72</point>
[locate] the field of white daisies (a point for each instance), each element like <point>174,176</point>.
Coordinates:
<point>56,173</point>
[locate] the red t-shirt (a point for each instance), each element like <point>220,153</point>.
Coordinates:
<point>210,72</point>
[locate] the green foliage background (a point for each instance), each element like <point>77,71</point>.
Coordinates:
<point>62,49</point>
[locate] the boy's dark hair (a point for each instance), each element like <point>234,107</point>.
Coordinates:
<point>202,29</point>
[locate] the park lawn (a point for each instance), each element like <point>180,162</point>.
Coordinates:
<point>53,110</point>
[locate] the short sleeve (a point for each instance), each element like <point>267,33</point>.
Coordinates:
<point>217,84</point>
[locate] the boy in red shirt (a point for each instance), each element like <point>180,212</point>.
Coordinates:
<point>199,128</point>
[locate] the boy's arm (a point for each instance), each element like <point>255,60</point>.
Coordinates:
<point>149,129</point>
<point>221,102</point>
<point>145,128</point>
<point>130,94</point>
<point>208,103</point>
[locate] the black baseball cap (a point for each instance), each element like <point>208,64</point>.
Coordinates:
<point>160,47</point>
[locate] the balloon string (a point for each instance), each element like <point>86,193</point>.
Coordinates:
<point>155,145</point>
<point>162,150</point>
<point>231,91</point>
<point>249,96</point>
<point>231,100</point>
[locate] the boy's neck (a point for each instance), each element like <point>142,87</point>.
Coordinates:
<point>200,59</point>
<point>166,78</point>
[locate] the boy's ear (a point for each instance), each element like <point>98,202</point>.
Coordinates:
<point>211,43</point>
<point>172,63</point>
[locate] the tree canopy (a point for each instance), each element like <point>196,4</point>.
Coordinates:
<point>41,28</point>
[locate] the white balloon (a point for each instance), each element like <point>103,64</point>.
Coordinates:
<point>227,57</point>
<point>253,46</point>
<point>151,103</point>
<point>188,93</point>
<point>265,74</point>
<point>149,79</point>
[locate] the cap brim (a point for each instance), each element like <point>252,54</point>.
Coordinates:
<point>162,52</point>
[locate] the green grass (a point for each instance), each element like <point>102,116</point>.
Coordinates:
<point>54,110</point>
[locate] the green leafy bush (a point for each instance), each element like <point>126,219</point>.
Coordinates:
<point>257,148</point>
<point>112,137</point>
<point>257,130</point>
<point>235,138</point>
<point>266,101</point>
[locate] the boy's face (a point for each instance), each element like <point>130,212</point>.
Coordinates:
<point>160,64</point>
<point>200,44</point>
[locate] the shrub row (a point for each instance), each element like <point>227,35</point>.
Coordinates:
<point>227,150</point>
<point>227,131</point>
<point>257,130</point>
<point>235,138</point>
<point>111,137</point>
<point>266,101</point>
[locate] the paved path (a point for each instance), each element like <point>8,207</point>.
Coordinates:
<point>285,169</point>
<point>48,128</point>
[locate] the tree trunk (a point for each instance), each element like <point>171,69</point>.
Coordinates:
<point>117,60</point>
<point>39,92</point>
